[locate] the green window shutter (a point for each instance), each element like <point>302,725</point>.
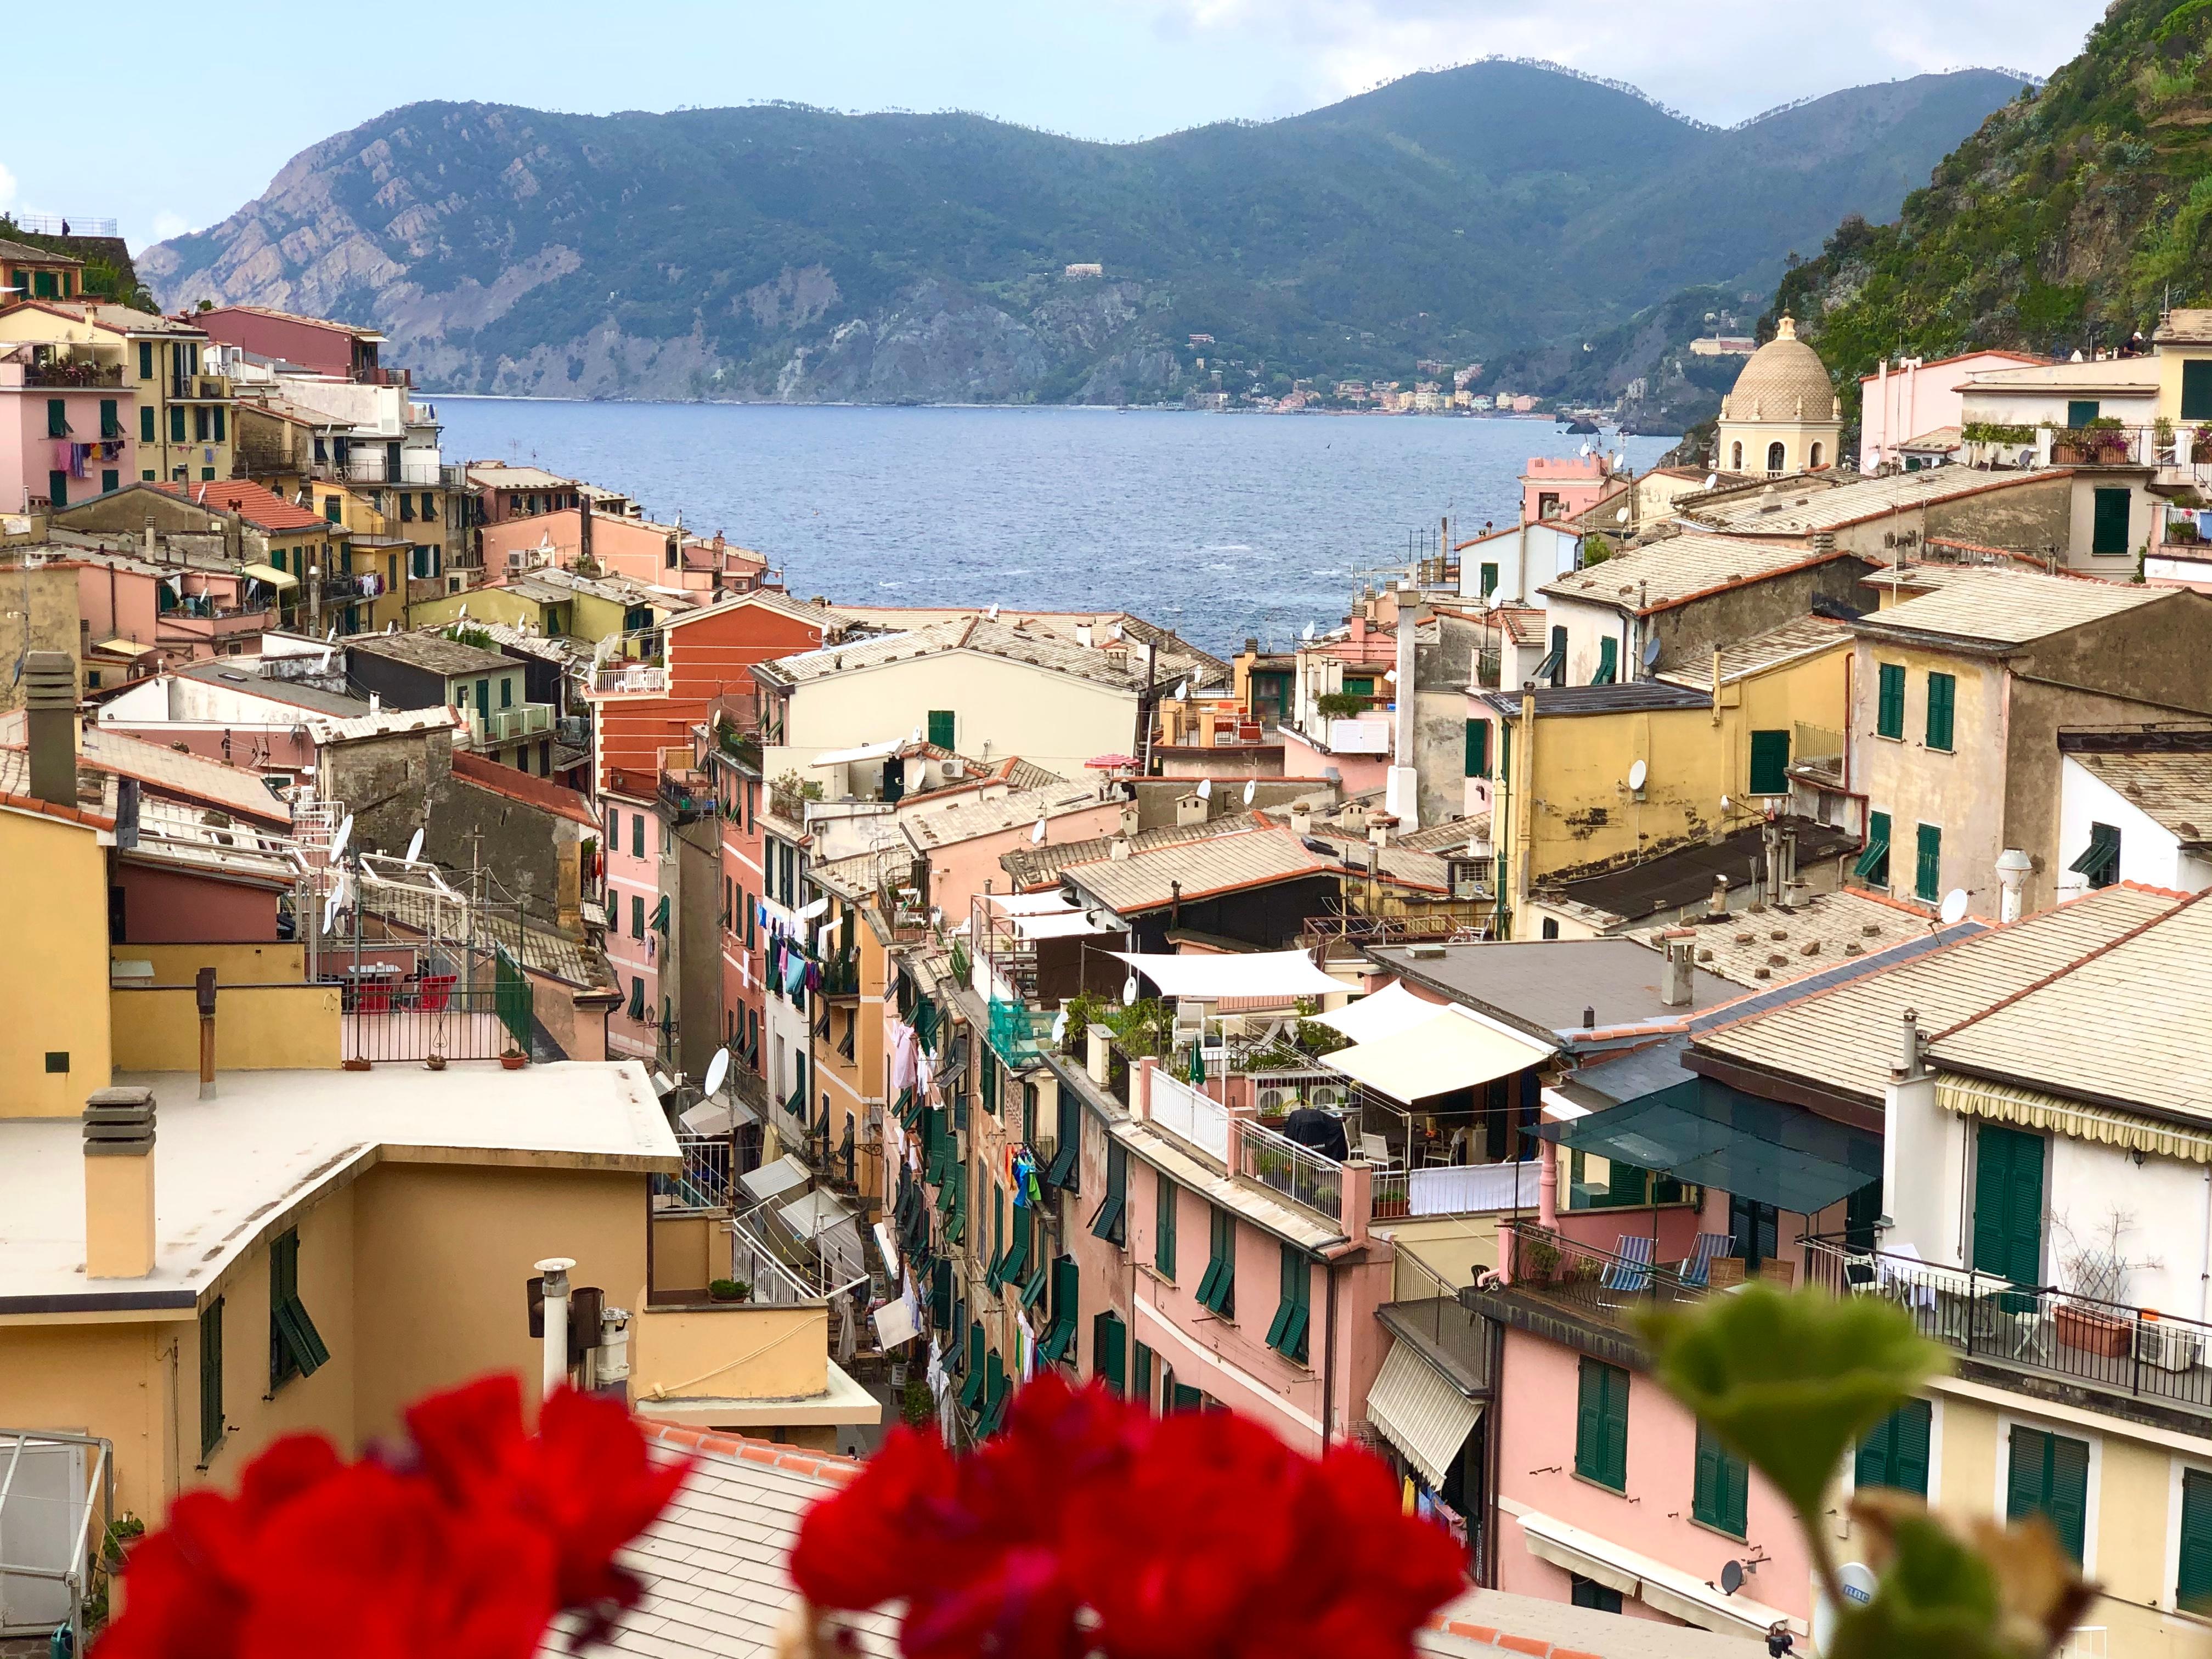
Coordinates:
<point>1477,748</point>
<point>1942,698</point>
<point>2079,412</point>
<point>1059,1341</point>
<point>941,727</point>
<point>1164,1226</point>
<point>1489,579</point>
<point>146,426</point>
<point>1218,1290</point>
<point>940,1292</point>
<point>1928,862</point>
<point>219,423</point>
<point>1286,1334</point>
<point>210,1378</point>
<point>1720,1486</point>
<point>57,424</point>
<point>1111,1222</point>
<point>2196,391</point>
<point>1557,656</point>
<point>1608,661</point>
<point>1109,1358</point>
<point>2008,1203</point>
<point>1874,861</point>
<point>2101,863</point>
<point>2050,1476</point>
<point>1601,1425</point>
<point>1770,763</point>
<point>1889,712</point>
<point>971,1390</point>
<point>1894,1453</point>
<point>2193,1590</point>
<point>2108,532</point>
<point>1141,1375</point>
<point>177,431</point>
<point>146,360</point>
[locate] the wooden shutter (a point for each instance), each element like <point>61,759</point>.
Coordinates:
<point>1942,698</point>
<point>2196,391</point>
<point>2008,1203</point>
<point>1927,863</point>
<point>1589,1421</point>
<point>2024,1474</point>
<point>1477,748</point>
<point>210,1378</point>
<point>2108,532</point>
<point>2193,1589</point>
<point>2067,1502</point>
<point>941,727</point>
<point>1909,1425</point>
<point>1616,1428</point>
<point>1164,1226</point>
<point>1709,1481</point>
<point>1770,763</point>
<point>1889,715</point>
<point>1608,662</point>
<point>1110,1340</point>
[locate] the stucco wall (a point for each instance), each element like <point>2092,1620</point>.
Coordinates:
<point>56,995</point>
<point>258,1028</point>
<point>744,1351</point>
<point>1688,633</point>
<point>2149,852</point>
<point>168,907</point>
<point>234,964</point>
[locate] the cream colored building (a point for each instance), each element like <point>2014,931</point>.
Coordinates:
<point>1782,416</point>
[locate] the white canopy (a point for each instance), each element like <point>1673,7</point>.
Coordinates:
<point>771,1180</point>
<point>1384,1014</point>
<point>708,1118</point>
<point>1061,924</point>
<point>1211,978</point>
<point>1452,1049</point>
<point>866,751</point>
<point>1029,904</point>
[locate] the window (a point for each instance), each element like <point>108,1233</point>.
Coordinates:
<point>221,420</point>
<point>177,436</point>
<point>2196,391</point>
<point>1164,1226</point>
<point>1812,456</point>
<point>1477,748</point>
<point>111,424</point>
<point>1777,458</point>
<point>1872,866</point>
<point>1889,712</point>
<point>1736,458</point>
<point>1608,661</point>
<point>110,482</point>
<point>1286,1334</point>
<point>1218,1290</point>
<point>1721,1487</point>
<point>1557,656</point>
<point>146,362</point>
<point>2079,412</point>
<point>1551,928</point>
<point>1943,698</point>
<point>2050,1476</point>
<point>637,915</point>
<point>1112,1222</point>
<point>2008,1203</point>
<point>941,727</point>
<point>295,1348</point>
<point>1588,1593</point>
<point>613,814</point>
<point>507,691</point>
<point>2101,862</point>
<point>1359,685</point>
<point>1895,1450</point>
<point>1601,1425</point>
<point>637,999</point>
<point>146,425</point>
<point>2108,523</point>
<point>637,834</point>
<point>57,424</point>
<point>1928,862</point>
<point>1489,579</point>
<point>2193,1590</point>
<point>211,1379</point>
<point>1140,1374</point>
<point>1109,1352</point>
<point>58,489</point>
<point>200,429</point>
<point>1066,1293</point>
<point>329,503</point>
<point>1770,763</point>
<point>1756,1229</point>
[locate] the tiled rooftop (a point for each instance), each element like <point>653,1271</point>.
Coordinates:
<point>1994,606</point>
<point>1196,870</point>
<point>1792,642</point>
<point>1667,573</point>
<point>1789,510</point>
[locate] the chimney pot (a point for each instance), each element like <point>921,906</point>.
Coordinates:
<point>50,715</point>
<point>119,1183</point>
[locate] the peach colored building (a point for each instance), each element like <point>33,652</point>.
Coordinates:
<point>1906,397</point>
<point>65,431</point>
<point>1565,487</point>
<point>660,555</point>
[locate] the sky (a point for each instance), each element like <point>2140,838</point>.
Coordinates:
<point>180,130</point>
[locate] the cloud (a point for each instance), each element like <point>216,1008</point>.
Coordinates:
<point>1720,60</point>
<point>7,189</point>
<point>167,224</point>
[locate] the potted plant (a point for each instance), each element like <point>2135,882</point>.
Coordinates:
<point>514,1058</point>
<point>2092,1330</point>
<point>1536,1257</point>
<point>729,1290</point>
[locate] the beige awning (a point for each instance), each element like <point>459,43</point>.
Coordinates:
<point>1454,1049</point>
<point>270,573</point>
<point>2002,1102</point>
<point>1419,1410</point>
<point>123,648</point>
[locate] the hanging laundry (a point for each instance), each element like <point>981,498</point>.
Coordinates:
<point>903,1049</point>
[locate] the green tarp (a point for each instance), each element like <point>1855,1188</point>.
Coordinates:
<point>1704,1132</point>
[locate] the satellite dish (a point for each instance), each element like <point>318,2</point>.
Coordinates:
<point>1724,803</point>
<point>330,910</point>
<point>1037,834</point>
<point>464,609</point>
<point>1251,789</point>
<point>1205,788</point>
<point>1954,907</point>
<point>1585,451</point>
<point>1621,517</point>
<point>1731,1577</point>
<point>717,1069</point>
<point>1637,774</point>
<point>1130,990</point>
<point>1390,676</point>
<point>1651,651</point>
<point>1309,634</point>
<point>1182,690</point>
<point>992,615</point>
<point>344,834</point>
<point>1712,478</point>
<point>1115,633</point>
<point>330,633</point>
<point>1060,1028</point>
<point>323,667</point>
<point>392,628</point>
<point>414,847</point>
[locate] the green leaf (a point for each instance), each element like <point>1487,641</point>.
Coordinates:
<point>1790,1383</point>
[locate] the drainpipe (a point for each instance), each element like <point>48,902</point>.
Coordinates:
<point>1328,1362</point>
<point>556,1270</point>
<point>203,994</point>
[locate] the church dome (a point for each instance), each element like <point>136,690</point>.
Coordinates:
<point>1783,380</point>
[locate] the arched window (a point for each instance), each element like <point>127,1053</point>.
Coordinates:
<point>1736,458</point>
<point>1774,457</point>
<point>1813,458</point>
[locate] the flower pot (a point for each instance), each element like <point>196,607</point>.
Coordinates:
<point>435,1062</point>
<point>355,1064</point>
<point>2092,1332</point>
<point>514,1062</point>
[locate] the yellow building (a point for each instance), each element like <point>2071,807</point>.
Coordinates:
<point>378,557</point>
<point>557,602</point>
<point>1589,778</point>
<point>186,432</point>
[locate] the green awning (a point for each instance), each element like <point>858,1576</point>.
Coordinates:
<point>1704,1132</point>
<point>660,916</point>
<point>1033,1292</point>
<point>1871,859</point>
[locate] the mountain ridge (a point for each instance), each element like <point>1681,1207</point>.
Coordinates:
<point>773,252</point>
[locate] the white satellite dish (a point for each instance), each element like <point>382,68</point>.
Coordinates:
<point>392,628</point>
<point>323,667</point>
<point>330,633</point>
<point>1130,990</point>
<point>330,910</point>
<point>1115,633</point>
<point>1637,774</point>
<point>1060,1028</point>
<point>465,611</point>
<point>1585,450</point>
<point>1724,803</point>
<point>992,615</point>
<point>414,847</point>
<point>344,834</point>
<point>1621,517</point>
<point>1251,789</point>
<point>1390,676</point>
<point>1954,907</point>
<point>717,1069</point>
<point>1712,478</point>
<point>1037,834</point>
<point>1205,788</point>
<point>1182,690</point>
<point>1309,634</point>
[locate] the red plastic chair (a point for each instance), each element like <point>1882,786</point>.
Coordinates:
<point>438,992</point>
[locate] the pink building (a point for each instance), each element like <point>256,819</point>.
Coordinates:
<point>1903,399</point>
<point>659,555</point>
<point>637,928</point>
<point>1565,487</point>
<point>65,431</point>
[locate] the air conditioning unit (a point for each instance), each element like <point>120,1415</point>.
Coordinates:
<point>949,769</point>
<point>1274,1103</point>
<point>2169,1347</point>
<point>1326,1096</point>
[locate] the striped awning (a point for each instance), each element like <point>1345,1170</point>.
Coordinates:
<point>2031,1109</point>
<point>1420,1411</point>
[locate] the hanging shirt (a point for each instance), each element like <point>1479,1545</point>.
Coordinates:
<point>903,1049</point>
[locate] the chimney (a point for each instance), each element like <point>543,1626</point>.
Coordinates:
<point>584,527</point>
<point>1129,818</point>
<point>1680,973</point>
<point>119,1183</point>
<point>1118,848</point>
<point>149,542</point>
<point>1098,1052</point>
<point>50,711</point>
<point>1907,1066</point>
<point>1189,810</point>
<point>1718,904</point>
<point>1301,821</point>
<point>1378,831</point>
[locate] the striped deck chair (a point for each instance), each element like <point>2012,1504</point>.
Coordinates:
<point>1697,1269</point>
<point>1632,1274</point>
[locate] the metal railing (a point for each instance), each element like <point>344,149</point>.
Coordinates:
<point>62,224</point>
<point>2138,1352</point>
<point>708,1180</point>
<point>1600,1284</point>
<point>59,374</point>
<point>375,467</point>
<point>1454,1189</point>
<point>689,795</point>
<point>1299,1174</point>
<point>1425,1301</point>
<point>433,1015</point>
<point>630,676</point>
<point>79,1558</point>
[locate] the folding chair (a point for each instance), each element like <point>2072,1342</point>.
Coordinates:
<point>1632,1274</point>
<point>1697,1269</point>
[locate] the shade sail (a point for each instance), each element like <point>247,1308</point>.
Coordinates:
<point>1417,1410</point>
<point>866,751</point>
<point>1059,924</point>
<point>771,1180</point>
<point>1389,1011</point>
<point>1211,978</point>
<point>270,573</point>
<point>1451,1049</point>
<point>1706,1131</point>
<point>1029,904</point>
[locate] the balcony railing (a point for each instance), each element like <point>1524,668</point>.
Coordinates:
<point>523,719</point>
<point>631,677</point>
<point>689,795</point>
<point>1202,1121</point>
<point>375,467</point>
<point>1600,1285</point>
<point>2137,1352</point>
<point>1299,1174</point>
<point>71,373</point>
<point>708,1180</point>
